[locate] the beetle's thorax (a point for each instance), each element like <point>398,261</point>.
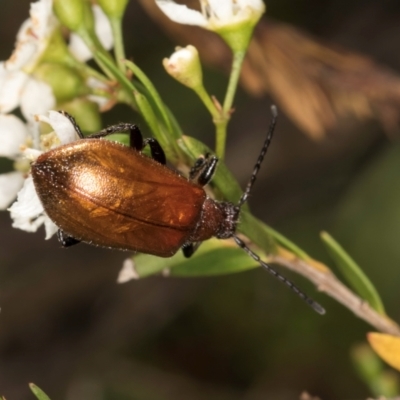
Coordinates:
<point>218,218</point>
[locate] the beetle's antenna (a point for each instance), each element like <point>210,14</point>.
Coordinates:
<point>260,159</point>
<point>317,307</point>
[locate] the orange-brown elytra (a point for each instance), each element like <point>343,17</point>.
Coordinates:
<point>108,194</point>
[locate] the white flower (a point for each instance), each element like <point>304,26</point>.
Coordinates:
<point>33,37</point>
<point>27,212</point>
<point>215,14</point>
<point>17,87</point>
<point>13,134</point>
<point>103,31</point>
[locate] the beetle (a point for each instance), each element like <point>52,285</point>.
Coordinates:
<point>108,194</point>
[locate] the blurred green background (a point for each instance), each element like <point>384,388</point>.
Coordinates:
<point>66,326</point>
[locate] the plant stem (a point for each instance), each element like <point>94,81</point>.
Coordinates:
<point>238,57</point>
<point>220,137</point>
<point>205,98</point>
<point>221,122</point>
<point>119,49</point>
<point>326,282</point>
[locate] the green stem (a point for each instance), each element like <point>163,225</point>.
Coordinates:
<point>96,49</point>
<point>238,57</point>
<point>220,136</point>
<point>119,49</point>
<point>221,122</point>
<point>89,71</point>
<point>206,99</point>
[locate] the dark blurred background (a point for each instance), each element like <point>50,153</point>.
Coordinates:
<point>68,327</point>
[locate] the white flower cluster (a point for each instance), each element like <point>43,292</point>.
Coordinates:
<point>20,140</point>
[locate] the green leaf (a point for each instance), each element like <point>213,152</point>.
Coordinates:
<point>214,257</point>
<point>353,273</point>
<point>286,243</point>
<point>219,261</point>
<point>148,114</point>
<point>118,75</point>
<point>38,392</point>
<point>141,76</point>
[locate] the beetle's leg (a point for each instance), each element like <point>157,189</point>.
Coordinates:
<point>135,136</point>
<point>73,122</point>
<point>157,151</point>
<point>135,139</point>
<point>203,169</point>
<point>188,249</point>
<point>66,240</point>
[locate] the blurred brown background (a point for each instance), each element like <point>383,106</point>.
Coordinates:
<point>334,164</point>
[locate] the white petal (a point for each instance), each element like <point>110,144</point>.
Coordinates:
<point>10,184</point>
<point>33,36</point>
<point>181,14</point>
<point>102,102</point>
<point>25,48</point>
<point>24,33</point>
<point>96,83</point>
<point>13,133</point>
<point>61,125</point>
<point>11,87</point>
<point>223,9</point>
<point>103,31</point>
<point>128,272</point>
<point>31,154</point>
<point>27,224</point>
<point>37,98</point>
<point>27,211</point>
<point>50,227</point>
<point>42,20</point>
<point>78,48</point>
<point>34,131</point>
<point>256,5</point>
<point>250,9</point>
<point>103,28</point>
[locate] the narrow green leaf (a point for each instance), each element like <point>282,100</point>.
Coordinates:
<point>141,76</point>
<point>168,144</point>
<point>286,243</point>
<point>40,395</point>
<point>353,273</point>
<point>148,114</point>
<point>219,261</point>
<point>214,257</point>
<point>119,76</point>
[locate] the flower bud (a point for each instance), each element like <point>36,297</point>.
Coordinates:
<point>65,82</point>
<point>70,13</point>
<point>113,8</point>
<point>184,65</point>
